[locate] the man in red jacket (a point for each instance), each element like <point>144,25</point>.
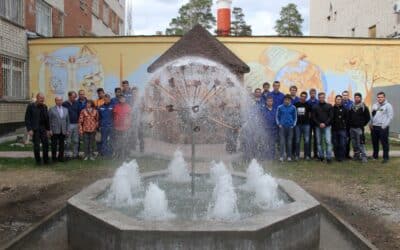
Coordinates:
<point>122,115</point>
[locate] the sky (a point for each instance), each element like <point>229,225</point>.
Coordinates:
<point>150,16</point>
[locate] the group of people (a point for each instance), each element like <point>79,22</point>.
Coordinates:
<point>78,119</point>
<point>292,122</point>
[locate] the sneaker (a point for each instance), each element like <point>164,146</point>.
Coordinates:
<point>86,158</point>
<point>329,161</point>
<point>385,161</point>
<point>281,159</point>
<point>321,159</point>
<point>308,158</point>
<point>289,159</point>
<point>364,160</point>
<point>91,158</point>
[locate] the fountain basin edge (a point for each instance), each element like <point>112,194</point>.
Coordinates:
<point>93,225</point>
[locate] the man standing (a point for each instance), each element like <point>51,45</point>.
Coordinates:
<point>382,115</point>
<point>339,127</point>
<point>269,113</point>
<point>100,99</point>
<point>38,127</point>
<point>312,101</point>
<point>303,126</point>
<point>322,114</point>
<point>118,93</point>
<point>106,126</point>
<point>127,92</point>
<point>73,112</point>
<point>347,103</point>
<point>265,92</point>
<point>276,95</point>
<point>286,119</point>
<point>81,100</point>
<point>122,115</point>
<point>293,94</point>
<point>359,117</point>
<point>59,125</point>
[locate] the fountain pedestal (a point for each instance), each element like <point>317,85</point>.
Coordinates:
<point>92,225</point>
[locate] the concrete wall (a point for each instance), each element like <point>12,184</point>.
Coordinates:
<point>329,65</point>
<point>358,14</point>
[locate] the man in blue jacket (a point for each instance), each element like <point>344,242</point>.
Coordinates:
<point>276,95</point>
<point>269,114</point>
<point>286,119</point>
<point>106,126</point>
<point>73,138</point>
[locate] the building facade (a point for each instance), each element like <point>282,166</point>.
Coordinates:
<point>357,18</point>
<point>20,19</point>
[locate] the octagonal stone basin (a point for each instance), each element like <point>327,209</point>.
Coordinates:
<point>93,225</point>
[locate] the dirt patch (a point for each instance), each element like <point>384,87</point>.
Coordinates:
<point>28,195</point>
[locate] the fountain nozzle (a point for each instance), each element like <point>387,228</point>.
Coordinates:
<point>196,108</point>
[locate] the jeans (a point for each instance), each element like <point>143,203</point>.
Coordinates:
<point>381,135</point>
<point>303,130</point>
<point>339,140</point>
<point>40,136</point>
<point>121,144</point>
<point>326,133</point>
<point>73,140</point>
<point>106,138</point>
<point>348,142</point>
<point>286,140</point>
<point>313,137</point>
<point>270,144</point>
<point>88,141</point>
<point>358,140</point>
<point>57,141</point>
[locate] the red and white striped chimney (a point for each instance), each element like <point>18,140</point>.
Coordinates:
<point>224,17</point>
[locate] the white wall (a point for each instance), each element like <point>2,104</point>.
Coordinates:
<point>358,14</point>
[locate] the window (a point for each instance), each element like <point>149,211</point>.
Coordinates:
<point>121,28</point>
<point>83,5</point>
<point>106,14</point>
<point>95,7</point>
<point>372,31</point>
<point>13,77</point>
<point>12,10</point>
<point>61,24</point>
<point>43,18</point>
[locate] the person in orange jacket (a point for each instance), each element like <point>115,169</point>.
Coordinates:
<point>88,124</point>
<point>122,124</point>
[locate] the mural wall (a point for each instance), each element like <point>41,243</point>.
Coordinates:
<point>329,65</point>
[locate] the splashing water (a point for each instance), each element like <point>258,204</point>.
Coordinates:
<point>177,168</point>
<point>263,185</point>
<point>224,204</point>
<point>156,204</point>
<point>217,170</point>
<point>125,184</point>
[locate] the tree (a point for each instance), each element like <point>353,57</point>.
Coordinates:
<point>290,22</point>
<point>238,25</point>
<point>190,14</point>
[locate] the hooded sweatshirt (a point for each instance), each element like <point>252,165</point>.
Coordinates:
<point>382,114</point>
<point>358,116</point>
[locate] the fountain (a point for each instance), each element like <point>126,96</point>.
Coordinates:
<point>194,97</point>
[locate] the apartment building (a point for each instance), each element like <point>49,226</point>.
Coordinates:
<point>355,18</point>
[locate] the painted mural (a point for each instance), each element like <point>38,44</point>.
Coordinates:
<point>358,67</point>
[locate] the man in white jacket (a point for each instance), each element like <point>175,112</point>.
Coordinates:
<point>382,115</point>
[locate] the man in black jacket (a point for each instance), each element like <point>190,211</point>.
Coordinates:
<point>322,114</point>
<point>339,125</point>
<point>38,127</point>
<point>358,118</point>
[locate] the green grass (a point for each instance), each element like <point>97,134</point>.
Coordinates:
<point>7,146</point>
<point>372,173</point>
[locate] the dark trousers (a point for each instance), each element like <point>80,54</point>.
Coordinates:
<point>40,136</point>
<point>106,137</point>
<point>121,144</point>
<point>348,143</point>
<point>339,140</point>
<point>313,140</point>
<point>57,144</point>
<point>381,135</point>
<point>88,141</point>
